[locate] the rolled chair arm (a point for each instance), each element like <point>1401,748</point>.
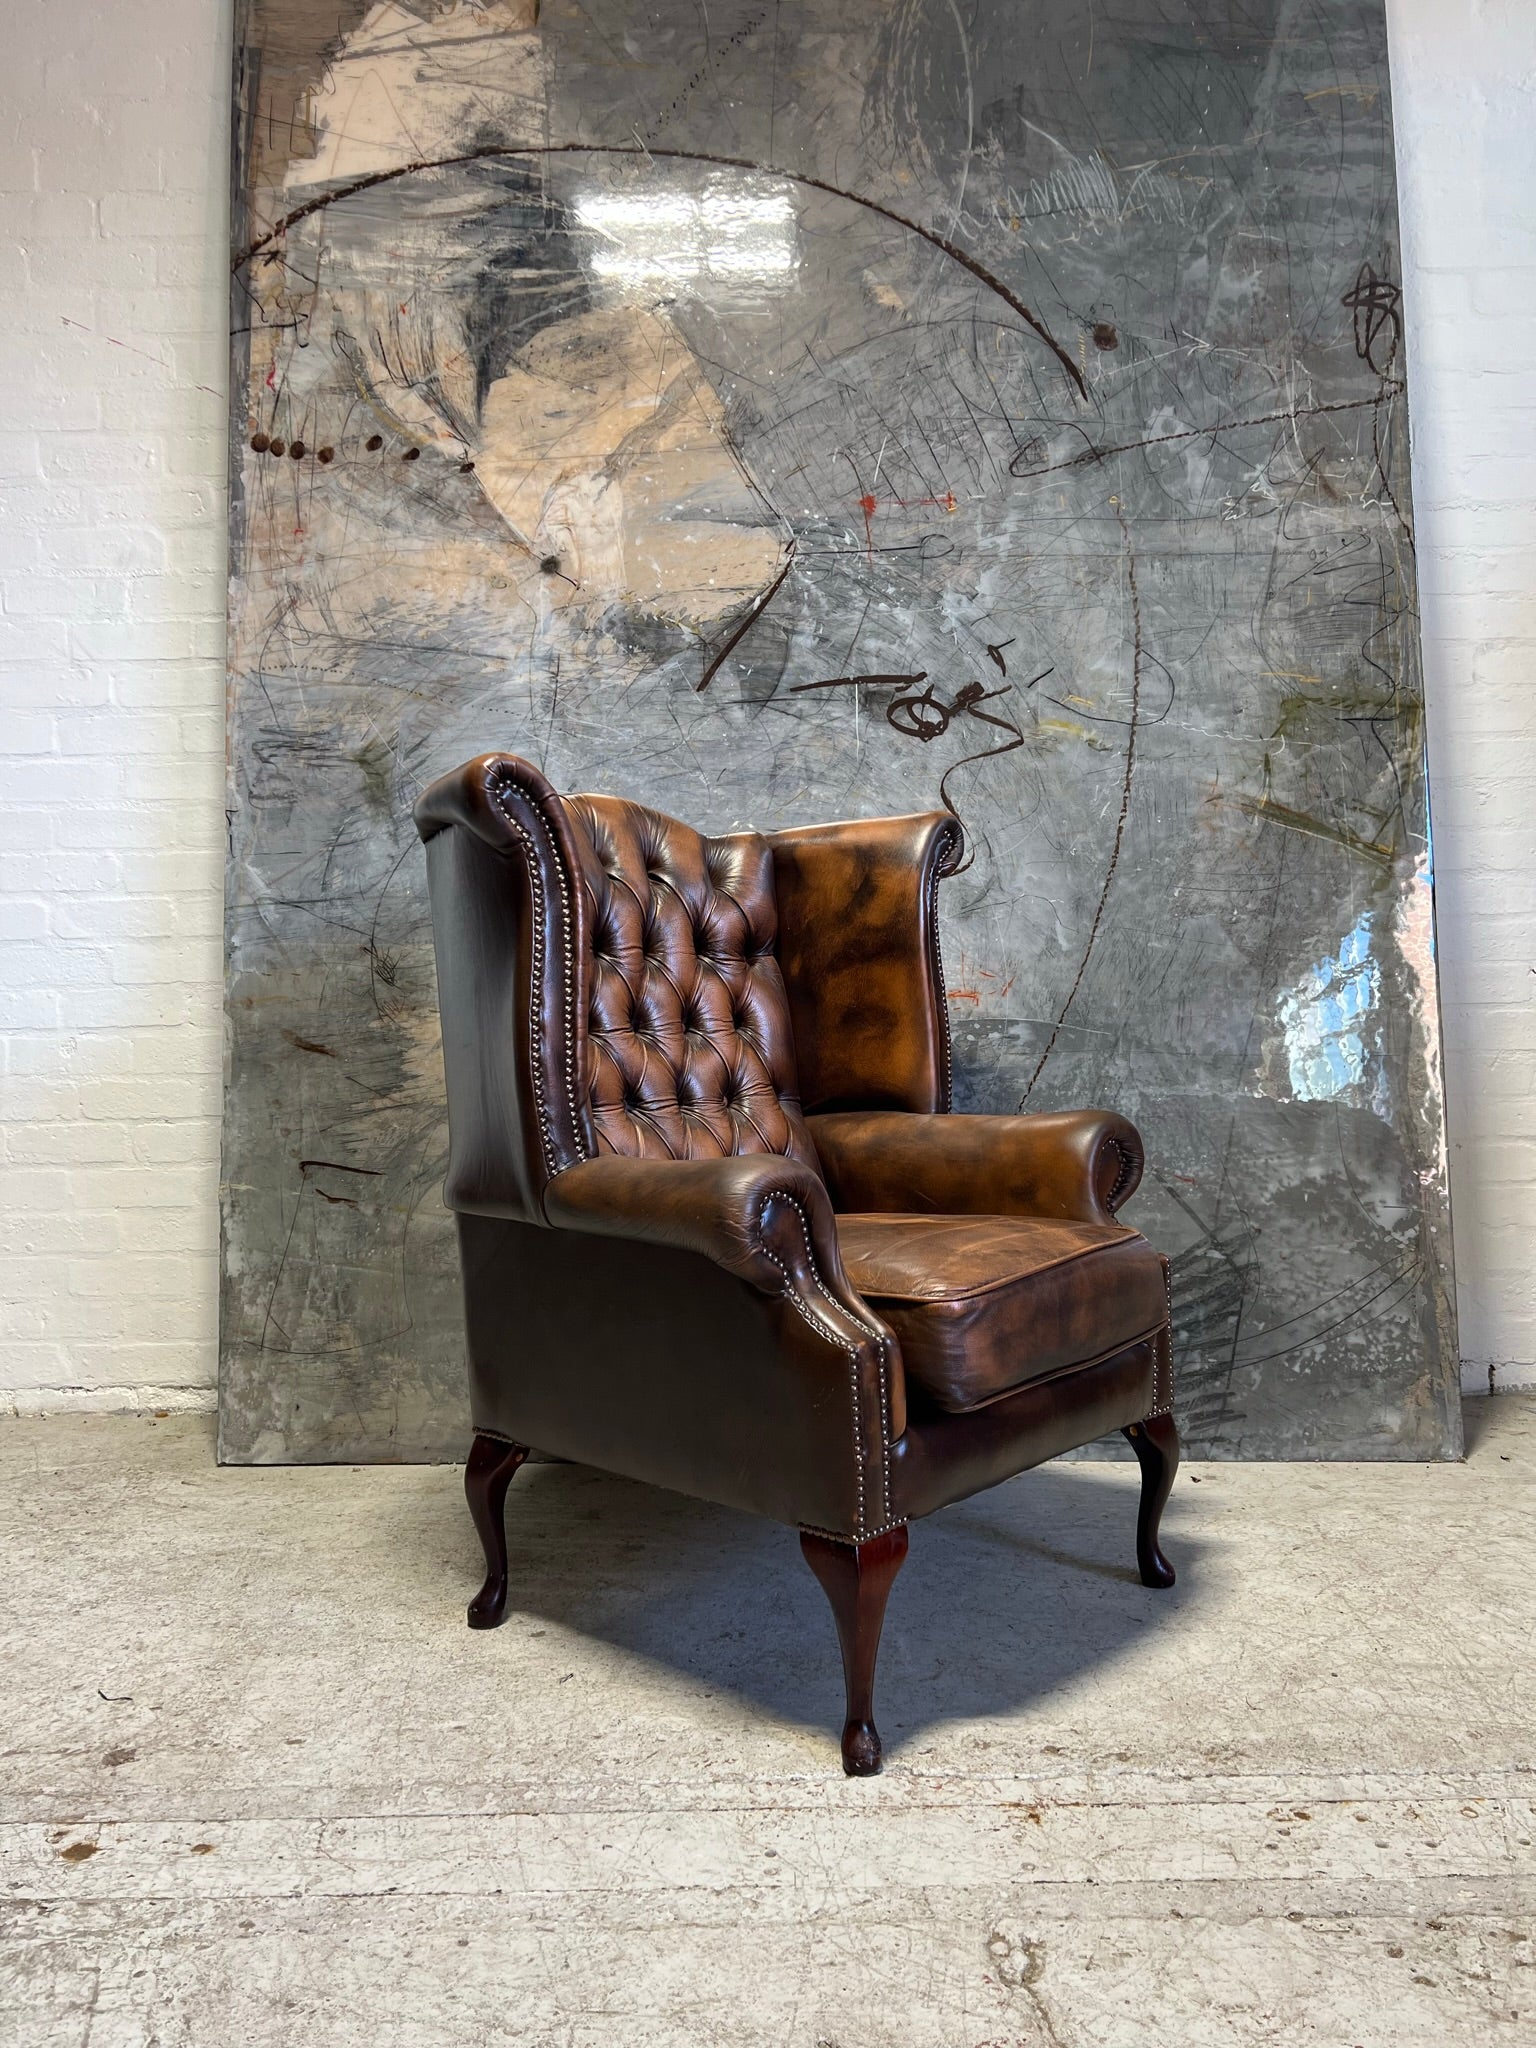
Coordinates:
<point>1074,1164</point>
<point>767,1221</point>
<point>761,1217</point>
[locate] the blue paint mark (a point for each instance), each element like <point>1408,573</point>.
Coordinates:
<point>1324,1015</point>
<point>1426,875</point>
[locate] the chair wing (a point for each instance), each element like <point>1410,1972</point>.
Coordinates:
<point>509,925</point>
<point>859,949</point>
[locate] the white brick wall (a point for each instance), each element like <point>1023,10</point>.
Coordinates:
<point>113,154</point>
<point>1464,83</point>
<point>113,147</point>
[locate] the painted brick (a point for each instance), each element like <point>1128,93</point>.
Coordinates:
<point>111,789</point>
<point>1460,72</point>
<point>69,1144</point>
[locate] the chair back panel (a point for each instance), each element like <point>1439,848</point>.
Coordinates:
<point>689,1049</point>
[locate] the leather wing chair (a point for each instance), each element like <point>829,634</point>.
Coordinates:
<point>719,1230</point>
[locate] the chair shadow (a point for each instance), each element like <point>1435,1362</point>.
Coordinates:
<point>1005,1598</point>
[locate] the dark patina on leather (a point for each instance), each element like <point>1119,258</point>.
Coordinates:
<point>670,1269</point>
<point>858,904</point>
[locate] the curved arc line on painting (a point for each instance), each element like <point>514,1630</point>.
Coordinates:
<point>1125,804</point>
<point>940,242</point>
<point>1092,454</point>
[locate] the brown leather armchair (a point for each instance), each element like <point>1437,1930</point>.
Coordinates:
<point>719,1230</point>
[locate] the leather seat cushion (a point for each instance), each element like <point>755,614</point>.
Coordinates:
<point>985,1304</point>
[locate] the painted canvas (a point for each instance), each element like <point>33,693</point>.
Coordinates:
<point>779,411</point>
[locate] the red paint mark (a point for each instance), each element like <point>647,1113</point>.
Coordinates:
<point>271,376</point>
<point>870,505</point>
<point>964,995</point>
<point>948,503</point>
<point>1008,984</point>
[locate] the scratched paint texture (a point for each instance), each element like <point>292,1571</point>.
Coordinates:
<point>786,411</point>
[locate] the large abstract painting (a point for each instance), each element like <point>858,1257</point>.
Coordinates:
<point>780,410</point>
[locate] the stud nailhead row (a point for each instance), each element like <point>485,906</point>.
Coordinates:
<point>943,856</point>
<point>536,980</point>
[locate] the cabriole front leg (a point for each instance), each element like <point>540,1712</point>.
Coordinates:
<point>1156,1444</point>
<point>489,1471</point>
<point>857,1580</point>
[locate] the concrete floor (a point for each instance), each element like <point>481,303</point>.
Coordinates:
<point>259,1784</point>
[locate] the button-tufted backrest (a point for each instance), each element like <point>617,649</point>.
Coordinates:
<point>689,1052</point>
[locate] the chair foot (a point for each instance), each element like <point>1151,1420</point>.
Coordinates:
<point>857,1580</point>
<point>1156,1444</point>
<point>488,1473</point>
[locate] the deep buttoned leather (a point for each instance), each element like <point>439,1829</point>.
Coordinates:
<point>689,1053</point>
<point>608,982</point>
<point>984,1304</point>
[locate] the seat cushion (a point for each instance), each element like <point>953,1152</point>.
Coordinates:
<point>985,1304</point>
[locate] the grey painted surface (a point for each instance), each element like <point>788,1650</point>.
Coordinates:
<point>1050,363</point>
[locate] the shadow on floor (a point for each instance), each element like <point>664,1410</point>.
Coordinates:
<point>1004,1599</point>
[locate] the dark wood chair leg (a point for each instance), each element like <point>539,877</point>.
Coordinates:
<point>489,1471</point>
<point>1156,1444</point>
<point>857,1579</point>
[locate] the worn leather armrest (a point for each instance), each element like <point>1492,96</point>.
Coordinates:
<point>763,1218</point>
<point>1079,1164</point>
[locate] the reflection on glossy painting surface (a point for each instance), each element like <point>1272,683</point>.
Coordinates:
<point>779,413</point>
